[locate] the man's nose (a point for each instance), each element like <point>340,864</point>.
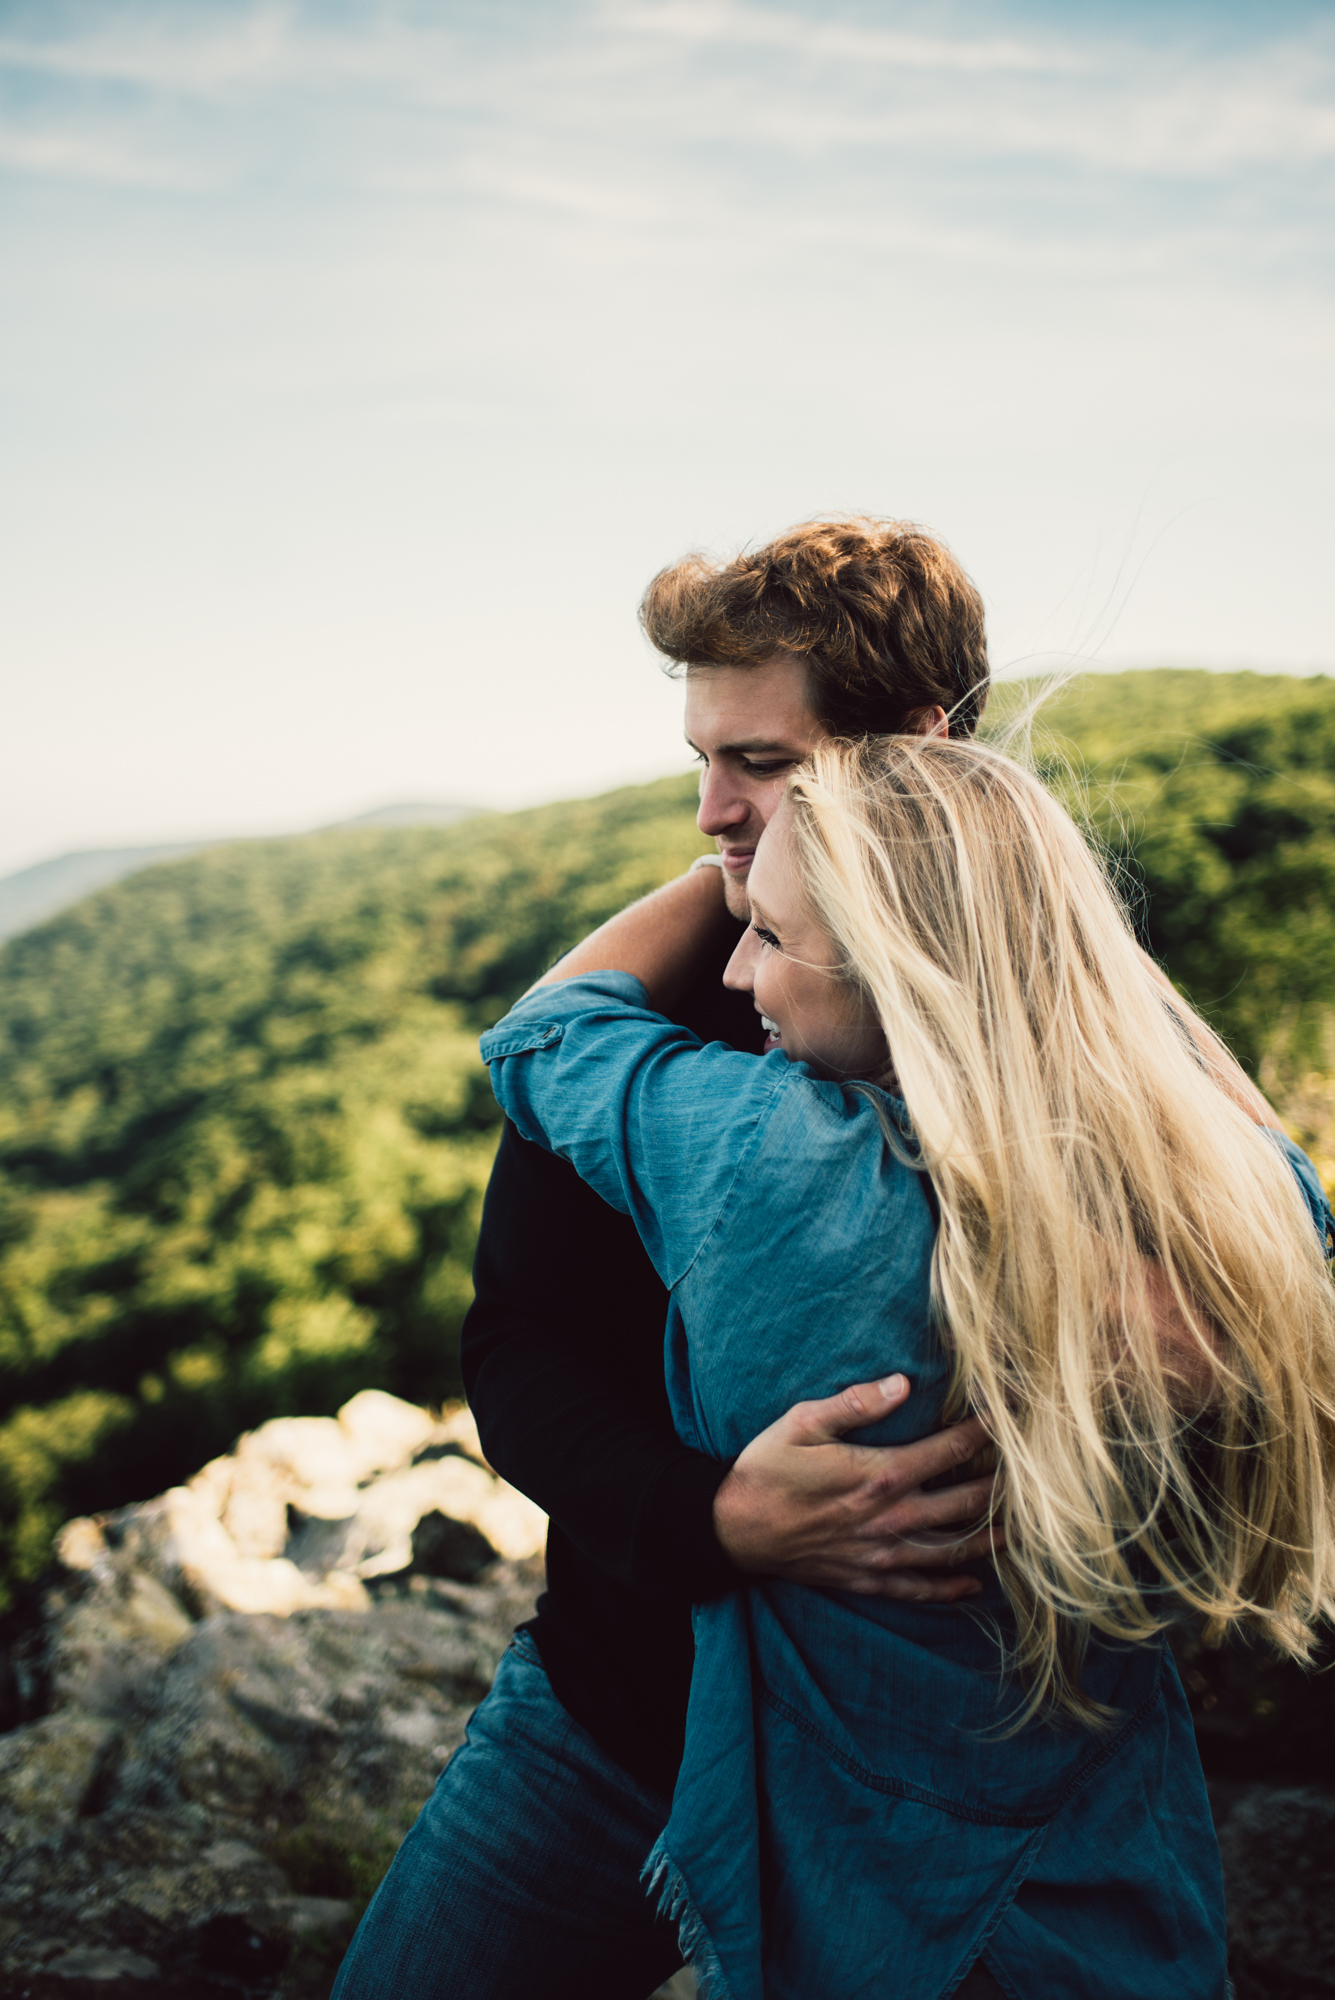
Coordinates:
<point>722,803</point>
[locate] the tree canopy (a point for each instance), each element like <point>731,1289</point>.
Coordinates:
<point>244,1130</point>
<point>1215,795</point>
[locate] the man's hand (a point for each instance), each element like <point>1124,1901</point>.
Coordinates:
<point>802,1505</point>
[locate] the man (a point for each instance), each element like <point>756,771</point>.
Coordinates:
<point>521,1876</point>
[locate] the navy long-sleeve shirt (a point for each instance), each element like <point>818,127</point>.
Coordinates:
<point>562,1357</point>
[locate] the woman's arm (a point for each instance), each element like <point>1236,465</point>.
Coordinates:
<point>663,940</point>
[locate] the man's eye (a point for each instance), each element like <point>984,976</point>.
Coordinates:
<point>766,770</point>
<point>766,937</point>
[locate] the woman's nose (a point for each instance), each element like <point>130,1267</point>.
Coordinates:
<point>739,972</point>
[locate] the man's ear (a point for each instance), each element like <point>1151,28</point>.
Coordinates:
<point>926,722</point>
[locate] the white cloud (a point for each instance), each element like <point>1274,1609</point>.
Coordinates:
<point>1157,105</point>
<point>197,57</point>
<point>724,72</point>
<point>720,23</point>
<point>60,153</point>
<point>593,200</point>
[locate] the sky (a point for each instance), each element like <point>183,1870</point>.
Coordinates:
<point>360,362</point>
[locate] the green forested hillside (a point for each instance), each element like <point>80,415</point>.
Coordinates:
<point>1217,794</point>
<point>244,1130</point>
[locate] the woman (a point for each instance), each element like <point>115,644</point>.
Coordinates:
<point>979,1149</point>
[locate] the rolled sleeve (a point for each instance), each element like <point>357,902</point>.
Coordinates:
<point>656,1122</point>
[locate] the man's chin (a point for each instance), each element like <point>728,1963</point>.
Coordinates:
<point>735,896</point>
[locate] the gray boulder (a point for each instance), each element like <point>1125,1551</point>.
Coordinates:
<point>204,1795</point>
<point>234,1699</point>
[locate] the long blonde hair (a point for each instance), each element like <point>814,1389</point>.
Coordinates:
<point>1077,1143</point>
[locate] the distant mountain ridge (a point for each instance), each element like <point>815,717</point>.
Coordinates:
<point>432,812</point>
<point>30,896</point>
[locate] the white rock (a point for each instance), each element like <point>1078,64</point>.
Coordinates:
<point>213,1483</point>
<point>327,1503</point>
<point>81,1545</point>
<point>228,1528</point>
<point>512,1524</point>
<point>460,1490</point>
<point>314,1451</point>
<point>383,1432</point>
<point>214,1567</point>
<point>459,1427</point>
<point>255,1515</point>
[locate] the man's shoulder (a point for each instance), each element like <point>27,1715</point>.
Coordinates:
<point>714,1013</point>
<point>544,1232</point>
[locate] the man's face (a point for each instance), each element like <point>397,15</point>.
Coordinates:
<point>748,726</point>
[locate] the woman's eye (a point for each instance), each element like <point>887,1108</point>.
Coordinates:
<point>766,937</point>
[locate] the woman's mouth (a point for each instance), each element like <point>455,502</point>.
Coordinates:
<point>773,1033</point>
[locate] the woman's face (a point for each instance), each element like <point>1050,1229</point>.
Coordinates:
<point>787,964</point>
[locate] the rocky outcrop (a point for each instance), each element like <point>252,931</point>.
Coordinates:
<point>236,1698</point>
<point>232,1700</point>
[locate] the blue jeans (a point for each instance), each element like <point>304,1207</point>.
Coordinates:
<point>522,1873</point>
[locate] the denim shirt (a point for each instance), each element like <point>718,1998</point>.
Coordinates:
<point>855,1813</point>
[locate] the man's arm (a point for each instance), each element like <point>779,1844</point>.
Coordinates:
<point>562,1357</point>
<point>597,1450</point>
<point>562,1361</point>
<point>802,1503</point>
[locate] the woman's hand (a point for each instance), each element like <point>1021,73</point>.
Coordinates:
<point>662,940</point>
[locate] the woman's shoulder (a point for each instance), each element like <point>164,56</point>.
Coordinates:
<point>848,1107</point>
<point>829,1136</point>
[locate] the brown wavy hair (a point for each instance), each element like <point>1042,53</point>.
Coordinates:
<point>883,615</point>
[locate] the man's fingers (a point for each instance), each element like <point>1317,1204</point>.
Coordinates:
<point>945,1507</point>
<point>933,1551</point>
<point>907,1466</point>
<point>921,1573</point>
<point>830,1419</point>
<point>925,1570</point>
